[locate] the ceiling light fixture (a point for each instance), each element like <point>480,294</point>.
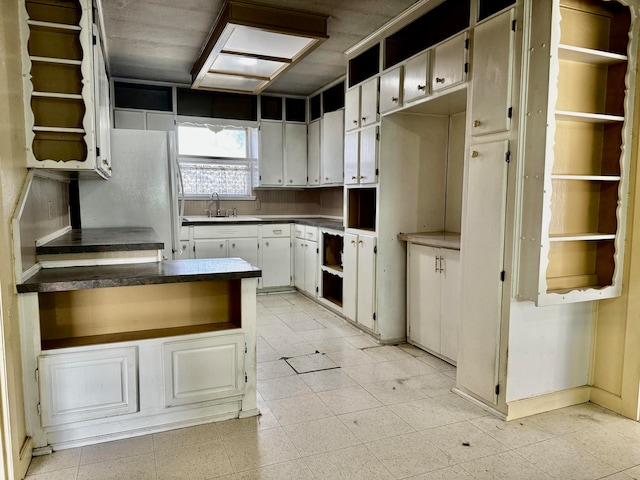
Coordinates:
<point>250,45</point>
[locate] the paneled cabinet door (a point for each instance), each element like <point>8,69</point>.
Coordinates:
<point>203,369</point>
<point>449,62</point>
<point>102,109</point>
<point>450,311</point>
<point>492,75</point>
<point>87,385</point>
<point>276,262</point>
<point>368,155</point>
<point>482,287</point>
<point>210,248</point>
<point>298,262</point>
<point>313,154</point>
<point>271,154</point>
<point>311,267</point>
<point>351,156</point>
<point>352,109</point>
<point>350,276</point>
<point>423,296</point>
<point>332,147</point>
<point>366,281</point>
<point>416,82</point>
<point>369,102</point>
<point>391,90</point>
<point>295,154</point>
<point>244,248</point>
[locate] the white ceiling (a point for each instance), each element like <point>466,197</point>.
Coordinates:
<point>160,39</point>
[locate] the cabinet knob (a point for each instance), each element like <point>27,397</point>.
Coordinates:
<point>279,180</point>
<point>439,80</point>
<point>394,99</point>
<point>290,180</point>
<point>360,242</point>
<point>326,178</point>
<point>353,242</point>
<point>105,161</point>
<point>474,154</point>
<point>477,123</point>
<point>354,177</point>
<point>362,176</point>
<point>233,245</point>
<point>355,122</point>
<point>364,119</point>
<point>266,243</point>
<point>421,87</point>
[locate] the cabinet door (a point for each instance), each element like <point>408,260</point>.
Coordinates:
<point>449,63</point>
<point>352,108</point>
<point>102,110</point>
<point>203,369</point>
<point>332,148</point>
<point>369,102</point>
<point>366,281</point>
<point>276,262</point>
<point>351,154</point>
<point>416,77</point>
<point>209,248</point>
<point>350,276</point>
<point>295,153</point>
<point>271,151</point>
<point>311,267</point>
<point>298,262</point>
<point>449,302</point>
<point>368,155</point>
<point>87,385</point>
<point>492,74</point>
<point>391,90</point>
<point>128,119</point>
<point>313,154</point>
<point>163,122</point>
<point>481,291</point>
<point>244,248</point>
<point>423,296</point>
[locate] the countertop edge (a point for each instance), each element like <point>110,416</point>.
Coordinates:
<point>450,240</point>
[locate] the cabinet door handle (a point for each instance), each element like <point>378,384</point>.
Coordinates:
<point>266,243</point>
<point>421,87</point>
<point>435,262</point>
<point>362,176</point>
<point>364,119</point>
<point>394,99</point>
<point>353,242</point>
<point>290,181</point>
<point>474,154</point>
<point>439,80</point>
<point>477,123</point>
<point>441,264</point>
<point>279,180</point>
<point>277,232</point>
<point>233,245</point>
<point>354,178</point>
<point>355,122</point>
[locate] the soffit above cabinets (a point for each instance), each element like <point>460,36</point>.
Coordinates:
<point>250,45</point>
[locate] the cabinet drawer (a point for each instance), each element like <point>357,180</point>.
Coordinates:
<point>311,233</point>
<point>225,231</point>
<point>298,231</point>
<point>276,230</point>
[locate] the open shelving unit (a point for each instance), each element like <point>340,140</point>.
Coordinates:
<point>331,271</point>
<point>586,165</point>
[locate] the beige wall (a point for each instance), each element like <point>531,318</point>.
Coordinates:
<point>12,175</point>
<point>317,201</point>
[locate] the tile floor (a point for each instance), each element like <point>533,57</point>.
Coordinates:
<point>356,410</point>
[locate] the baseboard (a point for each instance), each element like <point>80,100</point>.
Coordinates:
<point>606,399</point>
<point>52,236</point>
<point>547,402</point>
<point>478,403</point>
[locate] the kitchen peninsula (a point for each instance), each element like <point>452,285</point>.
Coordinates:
<point>123,343</point>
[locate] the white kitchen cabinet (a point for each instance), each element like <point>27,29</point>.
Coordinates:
<point>225,241</point>
<point>306,259</point>
<point>450,63</point>
<point>416,83</point>
<point>244,248</point>
<point>359,264</point>
<point>391,90</point>
<point>275,255</point>
<point>271,154</point>
<point>361,105</point>
<point>313,153</point>
<point>87,385</point>
<point>64,112</point>
<point>203,369</point>
<point>210,248</point>
<point>295,154</point>
<point>332,148</point>
<point>361,156</point>
<point>492,75</point>
<point>433,299</point>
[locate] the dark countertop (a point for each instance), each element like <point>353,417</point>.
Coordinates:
<point>322,222</point>
<point>169,271</point>
<point>91,240</point>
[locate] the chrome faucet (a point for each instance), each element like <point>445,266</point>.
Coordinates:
<point>218,212</point>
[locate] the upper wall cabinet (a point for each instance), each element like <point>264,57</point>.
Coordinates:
<point>361,105</point>
<point>578,144</point>
<point>450,63</point>
<point>391,89</point>
<point>417,77</point>
<point>59,87</point>
<point>492,75</point>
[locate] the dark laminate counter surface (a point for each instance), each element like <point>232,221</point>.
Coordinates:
<point>91,240</point>
<point>169,271</point>
<point>322,222</point>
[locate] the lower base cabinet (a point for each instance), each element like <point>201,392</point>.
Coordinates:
<point>433,299</point>
<point>359,279</point>
<point>275,256</point>
<point>306,259</point>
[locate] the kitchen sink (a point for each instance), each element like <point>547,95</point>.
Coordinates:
<point>206,219</point>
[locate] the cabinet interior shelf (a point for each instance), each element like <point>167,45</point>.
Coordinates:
<point>580,237</point>
<point>40,128</point>
<point>65,61</point>
<point>587,117</point>
<point>70,96</point>
<point>135,336</point>
<point>592,178</point>
<point>53,25</point>
<point>333,269</point>
<point>588,55</point>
